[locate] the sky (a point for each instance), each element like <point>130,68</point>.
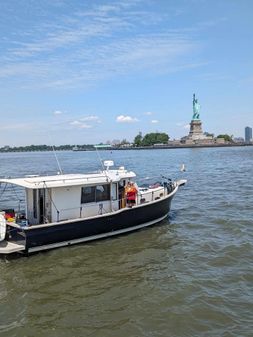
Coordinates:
<point>92,71</point>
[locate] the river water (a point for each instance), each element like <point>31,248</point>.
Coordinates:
<point>191,275</point>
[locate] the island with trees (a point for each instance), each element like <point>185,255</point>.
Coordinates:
<point>153,140</point>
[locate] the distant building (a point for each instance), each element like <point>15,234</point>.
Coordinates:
<point>248,134</point>
<point>238,140</point>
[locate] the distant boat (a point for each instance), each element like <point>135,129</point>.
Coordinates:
<point>103,146</point>
<point>66,209</point>
<point>78,148</point>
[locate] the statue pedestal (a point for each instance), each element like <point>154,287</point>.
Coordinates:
<point>196,129</point>
<point>196,135</point>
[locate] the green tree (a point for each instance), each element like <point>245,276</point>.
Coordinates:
<point>155,138</point>
<point>226,137</point>
<point>138,139</point>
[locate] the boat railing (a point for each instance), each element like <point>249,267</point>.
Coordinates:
<point>150,194</point>
<point>144,195</point>
<point>86,210</point>
<point>98,208</point>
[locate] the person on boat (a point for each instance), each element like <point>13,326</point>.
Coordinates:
<point>131,193</point>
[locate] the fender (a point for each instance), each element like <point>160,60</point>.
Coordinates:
<point>2,227</point>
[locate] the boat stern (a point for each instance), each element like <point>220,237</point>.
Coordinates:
<point>7,247</point>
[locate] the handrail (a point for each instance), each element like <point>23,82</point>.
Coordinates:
<point>146,195</point>
<point>104,207</point>
<point>66,179</point>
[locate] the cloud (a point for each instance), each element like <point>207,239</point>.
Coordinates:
<point>183,126</point>
<point>148,113</point>
<point>80,125</point>
<point>86,122</point>
<point>57,112</point>
<point>95,44</point>
<point>126,119</point>
<point>154,121</point>
<point>91,119</point>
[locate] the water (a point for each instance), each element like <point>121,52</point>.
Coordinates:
<point>191,275</point>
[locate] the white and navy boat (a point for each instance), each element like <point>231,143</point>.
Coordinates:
<point>66,209</point>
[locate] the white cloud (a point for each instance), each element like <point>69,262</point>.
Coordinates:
<point>80,125</point>
<point>57,112</point>
<point>148,113</point>
<point>183,126</point>
<point>154,121</point>
<point>54,55</point>
<point>91,119</point>
<point>126,119</point>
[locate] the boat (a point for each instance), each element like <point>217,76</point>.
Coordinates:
<point>66,209</point>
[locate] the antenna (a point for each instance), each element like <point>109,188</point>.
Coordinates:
<point>103,167</point>
<point>59,166</point>
<point>100,159</point>
<point>55,155</point>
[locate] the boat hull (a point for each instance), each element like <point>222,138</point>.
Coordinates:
<point>51,236</point>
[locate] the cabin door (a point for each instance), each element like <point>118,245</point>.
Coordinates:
<point>41,205</point>
<point>121,193</point>
<point>44,205</point>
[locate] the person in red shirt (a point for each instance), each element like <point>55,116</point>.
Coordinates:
<point>131,192</point>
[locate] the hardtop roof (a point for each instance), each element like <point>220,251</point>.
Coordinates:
<point>64,180</point>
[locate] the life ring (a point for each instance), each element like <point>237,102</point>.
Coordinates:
<point>2,227</point>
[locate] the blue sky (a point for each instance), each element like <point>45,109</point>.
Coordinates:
<point>84,72</point>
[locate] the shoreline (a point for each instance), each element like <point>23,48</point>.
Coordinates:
<point>158,147</point>
<point>183,146</point>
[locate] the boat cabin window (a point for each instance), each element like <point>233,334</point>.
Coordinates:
<point>95,193</point>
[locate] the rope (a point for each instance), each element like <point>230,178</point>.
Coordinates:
<point>3,191</point>
<point>15,192</point>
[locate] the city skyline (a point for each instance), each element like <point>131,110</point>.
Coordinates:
<point>248,134</point>
<point>87,72</point>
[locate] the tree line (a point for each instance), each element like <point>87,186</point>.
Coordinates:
<point>31,148</point>
<point>151,139</point>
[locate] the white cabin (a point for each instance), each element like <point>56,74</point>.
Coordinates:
<point>61,197</point>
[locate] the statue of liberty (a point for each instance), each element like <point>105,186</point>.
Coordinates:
<point>196,108</point>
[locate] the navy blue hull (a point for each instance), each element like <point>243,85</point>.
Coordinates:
<point>94,228</point>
